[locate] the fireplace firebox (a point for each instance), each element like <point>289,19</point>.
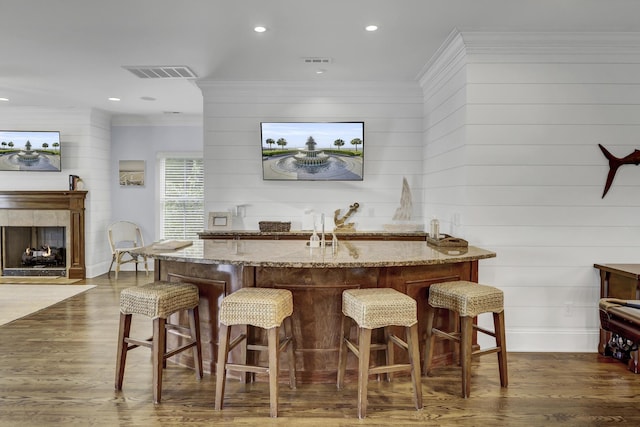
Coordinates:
<point>33,251</point>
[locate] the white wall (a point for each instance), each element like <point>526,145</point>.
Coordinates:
<point>142,138</point>
<point>536,107</point>
<point>444,83</point>
<point>502,129</point>
<point>84,143</point>
<point>232,147</point>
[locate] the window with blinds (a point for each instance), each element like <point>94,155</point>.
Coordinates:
<point>181,197</point>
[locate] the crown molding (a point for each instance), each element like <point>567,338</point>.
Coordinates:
<point>459,45</point>
<point>450,52</point>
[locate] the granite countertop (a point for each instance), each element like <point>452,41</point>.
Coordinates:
<point>233,233</point>
<point>297,253</point>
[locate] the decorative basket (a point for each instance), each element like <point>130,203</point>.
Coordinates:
<point>274,226</point>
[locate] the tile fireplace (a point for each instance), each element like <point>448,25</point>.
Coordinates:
<point>42,233</point>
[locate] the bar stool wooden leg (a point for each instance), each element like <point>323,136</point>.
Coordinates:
<point>414,360</point>
<point>430,340</point>
<point>194,321</point>
<point>123,333</point>
<point>342,353</point>
<point>221,369</point>
<point>274,366</point>
<point>466,337</point>
<point>364,353</point>
<point>288,331</point>
<point>158,349</point>
<point>389,358</point>
<point>498,321</point>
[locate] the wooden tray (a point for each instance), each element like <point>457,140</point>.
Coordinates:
<point>447,241</point>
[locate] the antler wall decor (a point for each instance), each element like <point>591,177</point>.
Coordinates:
<point>615,163</point>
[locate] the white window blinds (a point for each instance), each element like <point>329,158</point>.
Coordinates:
<point>181,197</point>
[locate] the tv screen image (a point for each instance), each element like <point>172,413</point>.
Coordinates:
<point>313,151</point>
<point>30,151</point>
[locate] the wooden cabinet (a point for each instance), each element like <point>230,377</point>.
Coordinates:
<point>317,295</point>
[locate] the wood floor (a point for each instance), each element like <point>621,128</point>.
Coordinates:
<point>57,368</point>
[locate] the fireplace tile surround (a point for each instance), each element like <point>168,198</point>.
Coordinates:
<point>50,208</point>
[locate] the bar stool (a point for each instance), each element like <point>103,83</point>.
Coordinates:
<point>265,308</point>
<point>372,309</point>
<point>158,300</point>
<point>468,300</point>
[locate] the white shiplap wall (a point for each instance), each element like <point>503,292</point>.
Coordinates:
<point>536,106</point>
<point>233,170</point>
<point>85,138</point>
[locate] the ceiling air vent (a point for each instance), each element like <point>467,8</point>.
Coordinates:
<point>316,60</point>
<point>164,72</point>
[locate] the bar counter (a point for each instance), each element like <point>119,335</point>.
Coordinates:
<point>316,277</point>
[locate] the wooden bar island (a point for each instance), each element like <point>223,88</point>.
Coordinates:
<point>316,277</point>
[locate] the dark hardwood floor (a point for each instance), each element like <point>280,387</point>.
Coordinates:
<point>57,368</point>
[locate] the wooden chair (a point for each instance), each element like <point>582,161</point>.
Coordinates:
<point>158,301</point>
<point>265,308</point>
<point>372,309</point>
<point>468,300</point>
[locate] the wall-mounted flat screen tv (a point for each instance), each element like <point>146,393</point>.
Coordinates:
<point>312,151</point>
<point>29,150</point>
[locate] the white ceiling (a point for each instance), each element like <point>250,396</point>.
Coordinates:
<point>71,53</point>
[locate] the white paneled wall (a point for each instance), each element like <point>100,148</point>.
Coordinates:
<point>498,139</point>
<point>85,138</point>
<point>536,106</point>
<point>232,148</point>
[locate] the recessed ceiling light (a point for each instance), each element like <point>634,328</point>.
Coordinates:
<point>321,71</point>
<point>4,99</point>
<point>114,99</point>
<point>260,29</point>
<point>371,28</point>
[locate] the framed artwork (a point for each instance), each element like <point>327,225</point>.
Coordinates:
<point>131,173</point>
<point>219,221</point>
<point>312,151</point>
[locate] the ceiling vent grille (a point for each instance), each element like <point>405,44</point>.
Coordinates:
<point>164,72</point>
<point>316,60</point>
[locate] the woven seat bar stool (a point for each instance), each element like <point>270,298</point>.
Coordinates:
<point>467,299</point>
<point>158,300</point>
<point>265,308</point>
<point>372,309</point>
